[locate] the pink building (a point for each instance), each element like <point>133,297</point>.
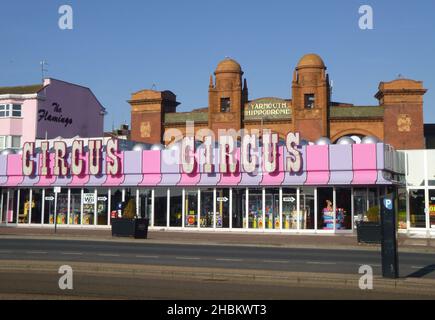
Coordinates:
<point>53,109</point>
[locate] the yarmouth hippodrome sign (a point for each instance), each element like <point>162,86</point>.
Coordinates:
<point>267,108</point>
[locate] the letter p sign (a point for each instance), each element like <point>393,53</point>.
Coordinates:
<point>388,203</point>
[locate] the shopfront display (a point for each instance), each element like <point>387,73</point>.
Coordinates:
<point>274,196</point>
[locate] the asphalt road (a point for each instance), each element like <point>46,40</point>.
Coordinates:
<point>212,256</point>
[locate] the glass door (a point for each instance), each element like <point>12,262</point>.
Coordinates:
<point>3,205</point>
<point>49,204</point>
<point>206,210</point>
<point>289,209</point>
<point>222,208</point>
<point>191,208</point>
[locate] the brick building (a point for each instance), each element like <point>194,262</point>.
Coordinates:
<point>397,119</point>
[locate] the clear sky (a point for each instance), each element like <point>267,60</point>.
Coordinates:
<point>119,47</point>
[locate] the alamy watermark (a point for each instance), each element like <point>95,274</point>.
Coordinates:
<point>66,280</point>
<point>366,280</point>
<point>66,20</point>
<point>365,22</point>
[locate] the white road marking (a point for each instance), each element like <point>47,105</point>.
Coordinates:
<point>36,252</point>
<point>146,257</point>
<point>417,267</point>
<point>187,258</point>
<point>276,261</point>
<point>225,259</point>
<point>319,262</point>
<point>72,253</point>
<point>108,255</point>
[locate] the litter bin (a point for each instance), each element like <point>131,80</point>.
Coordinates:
<point>141,228</point>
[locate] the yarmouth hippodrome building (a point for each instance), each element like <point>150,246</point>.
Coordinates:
<point>312,166</point>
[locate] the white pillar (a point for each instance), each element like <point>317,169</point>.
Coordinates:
<point>280,209</point>
<point>231,209</point>
<point>95,207</point>
<point>68,212</point>
<point>109,205</point>
<point>152,209</point>
<point>29,217</point>
<point>315,209</point>
<point>334,206</point>
<point>17,214</point>
<point>298,209</point>
<point>138,209</point>
<point>81,206</point>
<point>352,217</point>
<point>1,206</point>
<point>43,207</point>
<point>198,208</point>
<point>214,209</point>
<point>183,209</point>
<point>263,206</point>
<point>246,209</point>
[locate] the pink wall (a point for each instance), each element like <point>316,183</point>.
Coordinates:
<point>25,126</point>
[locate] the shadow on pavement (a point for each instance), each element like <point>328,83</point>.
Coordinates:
<point>422,272</point>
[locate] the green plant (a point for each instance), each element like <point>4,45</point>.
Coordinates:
<point>130,210</point>
<point>373,214</point>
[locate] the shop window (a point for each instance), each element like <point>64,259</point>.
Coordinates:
<point>255,209</point>
<point>343,208</point>
<point>307,210</point>
<point>309,100</point>
<point>206,209</point>
<point>102,206</point>
<point>222,208</point>
<point>325,209</point>
<point>432,209</point>
<point>416,209</point>
<point>116,203</point>
<point>191,208</point>
<point>144,209</point>
<point>289,208</point>
<point>37,206</point>
<point>160,207</point>
<point>225,104</point>
<point>23,208</point>
<point>49,205</point>
<point>75,206</point>
<point>238,208</point>
<point>273,220</point>
<point>401,208</point>
<point>176,207</point>
<point>88,206</point>
<point>62,206</point>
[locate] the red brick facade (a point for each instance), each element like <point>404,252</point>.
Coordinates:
<point>397,120</point>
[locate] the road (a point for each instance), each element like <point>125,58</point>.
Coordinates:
<point>213,256</point>
<point>122,270</point>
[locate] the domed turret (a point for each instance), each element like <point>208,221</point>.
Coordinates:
<point>228,65</point>
<point>311,60</point>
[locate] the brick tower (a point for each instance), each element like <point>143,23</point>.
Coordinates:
<point>310,98</point>
<point>402,100</point>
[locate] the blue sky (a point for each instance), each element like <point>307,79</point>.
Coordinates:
<point>119,47</point>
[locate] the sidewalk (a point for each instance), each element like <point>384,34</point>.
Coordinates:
<point>327,241</point>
